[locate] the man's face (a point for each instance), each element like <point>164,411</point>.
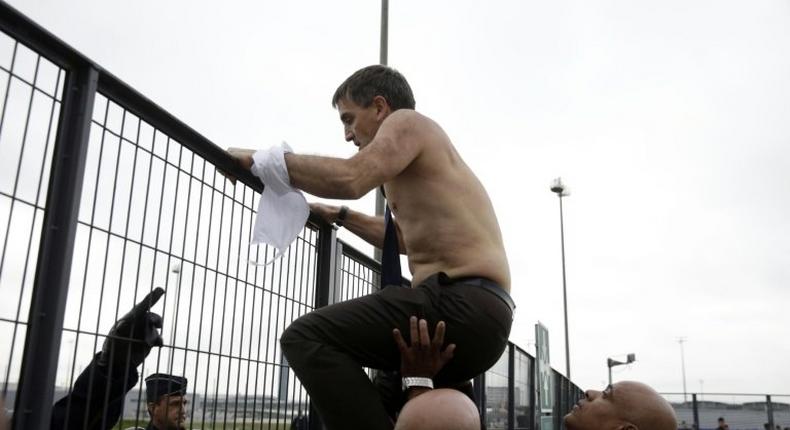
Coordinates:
<point>598,409</point>
<point>624,405</point>
<point>170,412</point>
<point>360,124</point>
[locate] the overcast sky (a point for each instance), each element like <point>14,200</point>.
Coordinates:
<point>669,121</point>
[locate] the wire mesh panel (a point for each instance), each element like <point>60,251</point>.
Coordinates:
<point>30,100</point>
<point>358,275</point>
<point>155,214</point>
<point>523,390</point>
<point>496,394</point>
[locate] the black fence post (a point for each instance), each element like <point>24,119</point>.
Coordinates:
<point>511,386</point>
<point>769,408</point>
<point>480,395</point>
<point>696,411</point>
<point>325,281</point>
<point>50,289</point>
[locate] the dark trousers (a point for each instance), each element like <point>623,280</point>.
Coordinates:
<point>328,347</point>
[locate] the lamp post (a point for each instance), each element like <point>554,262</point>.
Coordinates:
<point>176,268</point>
<point>561,190</point>
<point>681,340</point>
<point>384,40</point>
<point>611,363</point>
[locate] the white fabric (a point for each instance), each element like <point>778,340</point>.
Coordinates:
<point>282,210</point>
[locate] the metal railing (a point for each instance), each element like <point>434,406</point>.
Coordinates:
<point>740,411</point>
<point>104,196</point>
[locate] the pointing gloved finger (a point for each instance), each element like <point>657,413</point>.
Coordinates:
<point>148,302</point>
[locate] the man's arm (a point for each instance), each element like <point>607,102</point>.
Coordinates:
<point>369,228</point>
<point>392,150</point>
<point>96,400</point>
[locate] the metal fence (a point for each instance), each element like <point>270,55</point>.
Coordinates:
<point>739,411</point>
<point>104,196</point>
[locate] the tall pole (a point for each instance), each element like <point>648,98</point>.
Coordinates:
<point>565,297</point>
<point>610,375</point>
<point>177,270</point>
<point>681,340</point>
<point>560,189</point>
<point>385,6</point>
<point>385,10</point>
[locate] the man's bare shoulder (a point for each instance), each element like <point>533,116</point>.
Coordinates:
<point>409,119</point>
<point>407,123</point>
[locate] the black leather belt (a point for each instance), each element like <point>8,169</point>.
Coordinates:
<point>486,284</point>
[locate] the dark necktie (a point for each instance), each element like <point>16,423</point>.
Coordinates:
<point>390,257</point>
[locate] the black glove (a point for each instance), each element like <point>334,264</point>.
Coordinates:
<point>133,335</point>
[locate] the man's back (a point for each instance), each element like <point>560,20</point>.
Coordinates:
<point>444,214</point>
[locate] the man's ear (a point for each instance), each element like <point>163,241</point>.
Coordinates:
<point>382,106</point>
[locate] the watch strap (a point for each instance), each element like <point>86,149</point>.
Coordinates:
<point>341,216</point>
<point>414,381</point>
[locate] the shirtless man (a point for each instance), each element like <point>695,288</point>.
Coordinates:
<point>445,224</point>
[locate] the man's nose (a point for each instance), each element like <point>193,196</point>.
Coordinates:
<point>349,136</point>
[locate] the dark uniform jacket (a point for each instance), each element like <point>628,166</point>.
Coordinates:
<point>96,400</point>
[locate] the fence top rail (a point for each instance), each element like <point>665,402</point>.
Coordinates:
<point>20,27</point>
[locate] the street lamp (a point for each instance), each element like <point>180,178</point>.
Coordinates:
<point>561,190</point>
<point>176,268</point>
<point>611,363</point>
<point>681,340</point>
<point>383,51</point>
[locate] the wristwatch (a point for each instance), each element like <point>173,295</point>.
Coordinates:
<point>412,381</point>
<point>341,216</point>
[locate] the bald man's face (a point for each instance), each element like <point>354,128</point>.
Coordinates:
<point>598,409</point>
<point>625,405</point>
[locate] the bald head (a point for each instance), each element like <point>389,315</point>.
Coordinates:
<point>441,409</point>
<point>624,405</point>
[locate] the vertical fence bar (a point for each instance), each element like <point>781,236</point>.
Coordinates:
<point>769,408</point>
<point>325,279</point>
<point>40,360</point>
<point>696,411</point>
<point>511,386</point>
<point>480,395</point>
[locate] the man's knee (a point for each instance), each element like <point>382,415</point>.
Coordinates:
<point>296,340</point>
<point>290,340</point>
